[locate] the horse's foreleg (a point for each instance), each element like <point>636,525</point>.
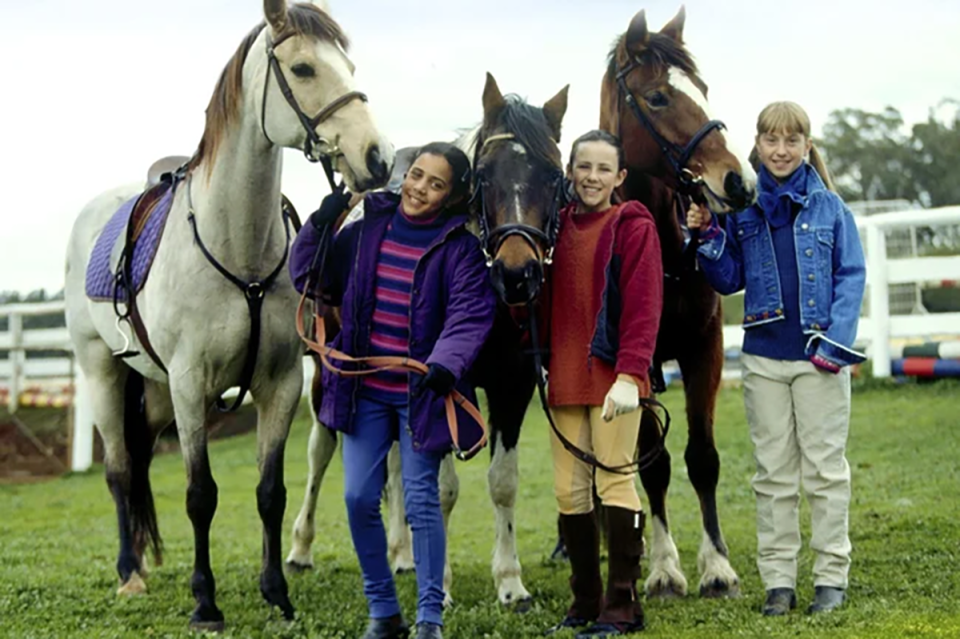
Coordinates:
<point>502,480</point>
<point>449,492</point>
<point>399,541</point>
<point>322,445</point>
<point>701,374</point>
<point>666,577</point>
<point>275,412</point>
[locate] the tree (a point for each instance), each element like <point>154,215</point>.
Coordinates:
<point>936,154</point>
<point>869,155</point>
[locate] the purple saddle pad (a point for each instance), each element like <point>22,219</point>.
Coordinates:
<point>101,268</point>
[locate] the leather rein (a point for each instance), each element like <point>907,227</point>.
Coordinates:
<point>376,364</point>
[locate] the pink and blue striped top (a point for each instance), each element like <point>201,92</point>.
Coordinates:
<point>405,242</point>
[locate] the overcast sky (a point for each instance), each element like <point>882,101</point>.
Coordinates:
<point>94,91</point>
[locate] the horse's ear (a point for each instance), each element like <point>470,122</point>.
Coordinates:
<point>275,11</point>
<point>492,98</point>
<point>637,34</point>
<point>674,28</point>
<point>554,110</point>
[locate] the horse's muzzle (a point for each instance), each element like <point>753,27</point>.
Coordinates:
<point>517,285</point>
<point>738,194</point>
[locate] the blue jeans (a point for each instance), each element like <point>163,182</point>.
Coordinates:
<point>365,450</point>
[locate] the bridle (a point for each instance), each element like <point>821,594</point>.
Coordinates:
<point>315,148</point>
<point>542,241</point>
<point>689,183</point>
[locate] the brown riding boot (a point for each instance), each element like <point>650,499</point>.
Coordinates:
<point>622,612</point>
<point>582,540</point>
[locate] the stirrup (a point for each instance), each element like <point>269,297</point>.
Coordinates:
<point>124,352</point>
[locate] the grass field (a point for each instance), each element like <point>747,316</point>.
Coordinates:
<point>58,541</point>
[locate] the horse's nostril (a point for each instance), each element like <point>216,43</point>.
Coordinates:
<point>733,185</point>
<point>376,165</point>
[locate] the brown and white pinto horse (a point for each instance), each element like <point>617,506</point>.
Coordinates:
<point>653,98</point>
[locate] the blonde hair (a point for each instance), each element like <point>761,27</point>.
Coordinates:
<point>789,117</point>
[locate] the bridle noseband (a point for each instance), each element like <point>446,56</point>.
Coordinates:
<point>678,156</point>
<point>543,242</point>
<point>316,148</point>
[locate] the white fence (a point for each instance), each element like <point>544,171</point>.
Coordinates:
<point>874,335</point>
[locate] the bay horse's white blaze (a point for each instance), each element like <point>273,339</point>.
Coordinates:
<point>502,481</point>
<point>666,576</point>
<point>715,568</point>
<point>198,321</point>
<point>681,82</point>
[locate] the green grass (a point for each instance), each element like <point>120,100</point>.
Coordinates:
<point>58,541</point>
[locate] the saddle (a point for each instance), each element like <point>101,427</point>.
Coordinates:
<point>164,168</point>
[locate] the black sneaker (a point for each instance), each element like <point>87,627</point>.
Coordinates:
<point>387,628</point>
<point>779,602</point>
<point>825,599</point>
<point>428,630</point>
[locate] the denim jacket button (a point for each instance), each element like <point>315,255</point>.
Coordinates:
<point>811,277</point>
<point>809,252</point>
<point>750,318</point>
<point>779,311</point>
<point>804,226</point>
<point>811,303</point>
<point>815,326</point>
<point>740,232</point>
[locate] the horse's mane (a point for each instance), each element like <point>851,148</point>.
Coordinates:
<point>529,126</point>
<point>302,19</point>
<point>661,49</point>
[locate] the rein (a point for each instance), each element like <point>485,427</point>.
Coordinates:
<point>377,364</point>
<point>646,403</point>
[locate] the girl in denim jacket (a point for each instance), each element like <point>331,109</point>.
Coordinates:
<point>796,254</point>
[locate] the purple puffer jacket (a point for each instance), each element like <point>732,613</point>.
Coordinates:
<point>451,314</point>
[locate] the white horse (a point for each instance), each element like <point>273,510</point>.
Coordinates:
<point>289,84</point>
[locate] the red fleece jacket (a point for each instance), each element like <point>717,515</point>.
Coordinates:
<point>582,302</point>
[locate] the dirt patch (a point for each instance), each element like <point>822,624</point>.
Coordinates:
<point>35,443</point>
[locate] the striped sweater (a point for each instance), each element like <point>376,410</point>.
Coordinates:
<point>403,245</point>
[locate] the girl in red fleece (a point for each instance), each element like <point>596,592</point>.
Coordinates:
<point>607,293</point>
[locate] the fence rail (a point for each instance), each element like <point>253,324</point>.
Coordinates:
<point>19,373</point>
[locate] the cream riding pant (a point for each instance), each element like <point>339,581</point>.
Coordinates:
<point>799,417</point>
<point>614,443</point>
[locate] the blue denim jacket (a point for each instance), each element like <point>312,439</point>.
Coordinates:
<point>829,260</point>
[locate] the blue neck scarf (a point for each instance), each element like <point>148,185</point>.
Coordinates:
<point>776,199</point>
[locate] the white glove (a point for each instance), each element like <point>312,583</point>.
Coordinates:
<point>623,397</point>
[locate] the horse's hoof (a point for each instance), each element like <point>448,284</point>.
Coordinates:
<point>206,626</point>
<point>522,606</point>
<point>134,586</point>
<point>718,589</point>
<point>664,591</point>
<point>295,567</point>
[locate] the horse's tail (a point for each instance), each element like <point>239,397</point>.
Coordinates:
<point>139,441</point>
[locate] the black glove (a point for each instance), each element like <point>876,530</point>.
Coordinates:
<point>331,208</point>
<point>438,379</point>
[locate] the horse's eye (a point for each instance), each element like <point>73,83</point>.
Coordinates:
<point>656,99</point>
<point>303,70</point>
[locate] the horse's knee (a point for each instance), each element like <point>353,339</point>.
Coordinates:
<point>703,465</point>
<point>202,497</point>
<point>503,478</point>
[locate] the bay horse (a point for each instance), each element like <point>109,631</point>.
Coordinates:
<point>517,179</point>
<point>654,100</point>
<point>217,309</point>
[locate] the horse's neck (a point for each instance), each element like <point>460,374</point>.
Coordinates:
<point>660,201</point>
<point>238,208</point>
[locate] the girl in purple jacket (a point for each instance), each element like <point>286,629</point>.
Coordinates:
<point>410,280</point>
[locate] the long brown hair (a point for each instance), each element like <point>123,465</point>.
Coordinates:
<point>789,117</point>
